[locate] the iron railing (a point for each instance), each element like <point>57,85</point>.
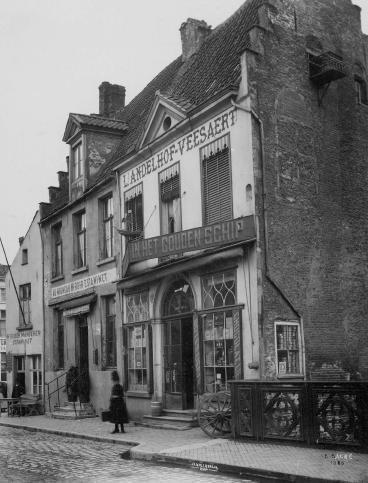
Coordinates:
<point>309,412</point>
<point>60,386</point>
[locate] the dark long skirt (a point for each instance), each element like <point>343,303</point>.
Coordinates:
<point>119,413</point>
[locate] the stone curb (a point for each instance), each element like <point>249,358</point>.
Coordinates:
<point>69,434</point>
<point>200,465</point>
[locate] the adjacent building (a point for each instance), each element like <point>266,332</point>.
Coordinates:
<point>3,271</point>
<point>25,320</point>
<point>214,228</point>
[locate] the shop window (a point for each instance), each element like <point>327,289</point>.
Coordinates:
<point>35,371</point>
<point>219,290</point>
<point>288,352</point>
<point>60,340</point>
<point>24,256</point>
<point>25,302</point>
<point>133,204</point>
<point>107,229</point>
<point>218,328</point>
<point>110,332</point>
<point>216,181</point>
<point>170,204</point>
<point>77,161</point>
<point>137,358</point>
<point>2,295</point>
<point>80,254</point>
<point>137,307</point>
<point>57,251</point>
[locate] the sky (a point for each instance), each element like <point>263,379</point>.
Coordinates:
<point>54,54</point>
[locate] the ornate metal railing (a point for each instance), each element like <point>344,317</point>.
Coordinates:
<point>58,384</point>
<point>313,412</point>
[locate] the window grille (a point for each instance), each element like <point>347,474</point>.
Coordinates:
<point>137,307</point>
<point>219,290</point>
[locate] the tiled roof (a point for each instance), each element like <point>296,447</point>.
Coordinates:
<point>3,270</point>
<point>210,71</point>
<point>215,67</point>
<point>98,121</point>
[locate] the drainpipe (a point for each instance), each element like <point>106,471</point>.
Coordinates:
<point>43,317</point>
<point>264,209</point>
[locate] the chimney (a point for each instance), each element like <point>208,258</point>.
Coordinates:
<point>63,177</point>
<point>112,99</point>
<point>193,33</point>
<point>53,193</point>
<point>21,240</point>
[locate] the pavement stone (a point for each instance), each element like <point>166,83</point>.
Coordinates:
<point>193,447</point>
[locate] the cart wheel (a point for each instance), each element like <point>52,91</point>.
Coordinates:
<point>214,414</point>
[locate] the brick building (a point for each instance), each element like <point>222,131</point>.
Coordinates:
<point>237,184</point>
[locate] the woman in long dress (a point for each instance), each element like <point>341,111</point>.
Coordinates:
<point>119,413</point>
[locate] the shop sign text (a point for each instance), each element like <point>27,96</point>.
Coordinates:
<point>84,283</point>
<point>225,233</point>
<point>204,134</point>
<point>24,337</point>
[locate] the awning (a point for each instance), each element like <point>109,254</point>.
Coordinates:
<point>74,307</point>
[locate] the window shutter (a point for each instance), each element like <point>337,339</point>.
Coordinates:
<point>216,181</point>
<point>170,188</point>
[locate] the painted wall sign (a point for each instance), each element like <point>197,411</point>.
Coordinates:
<point>204,134</point>
<point>228,232</point>
<point>84,283</point>
<point>24,337</point>
<point>3,344</point>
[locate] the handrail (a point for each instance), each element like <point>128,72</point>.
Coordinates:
<point>58,388</point>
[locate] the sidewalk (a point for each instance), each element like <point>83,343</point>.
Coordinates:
<point>194,449</point>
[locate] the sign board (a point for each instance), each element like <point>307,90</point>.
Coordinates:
<point>95,280</point>
<point>218,234</point>
<point>23,337</point>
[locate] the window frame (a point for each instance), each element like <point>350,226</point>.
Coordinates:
<point>289,323</point>
<point>136,226</point>
<point>24,256</point>
<point>106,220</point>
<point>80,230</point>
<point>77,164</point>
<point>162,203</point>
<point>25,297</point>
<point>2,295</point>
<point>57,244</point>
<point>35,369</point>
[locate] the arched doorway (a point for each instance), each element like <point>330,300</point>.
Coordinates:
<point>177,313</point>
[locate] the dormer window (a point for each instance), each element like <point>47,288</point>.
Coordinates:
<point>77,161</point>
<point>167,123</point>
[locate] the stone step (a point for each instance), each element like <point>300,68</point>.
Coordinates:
<point>169,422</point>
<point>68,411</point>
<point>178,413</point>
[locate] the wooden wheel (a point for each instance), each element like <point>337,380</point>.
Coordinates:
<point>214,414</point>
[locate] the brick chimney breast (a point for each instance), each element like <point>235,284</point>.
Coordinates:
<point>193,33</point>
<point>112,99</point>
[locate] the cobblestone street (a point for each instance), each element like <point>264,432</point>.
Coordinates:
<point>38,457</point>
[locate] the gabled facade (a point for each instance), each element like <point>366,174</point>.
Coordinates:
<point>81,249</point>
<point>239,202</point>
<point>24,320</point>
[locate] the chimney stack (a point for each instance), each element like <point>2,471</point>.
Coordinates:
<point>21,240</point>
<point>112,99</point>
<point>193,33</point>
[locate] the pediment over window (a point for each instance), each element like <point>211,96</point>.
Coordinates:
<point>165,113</point>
